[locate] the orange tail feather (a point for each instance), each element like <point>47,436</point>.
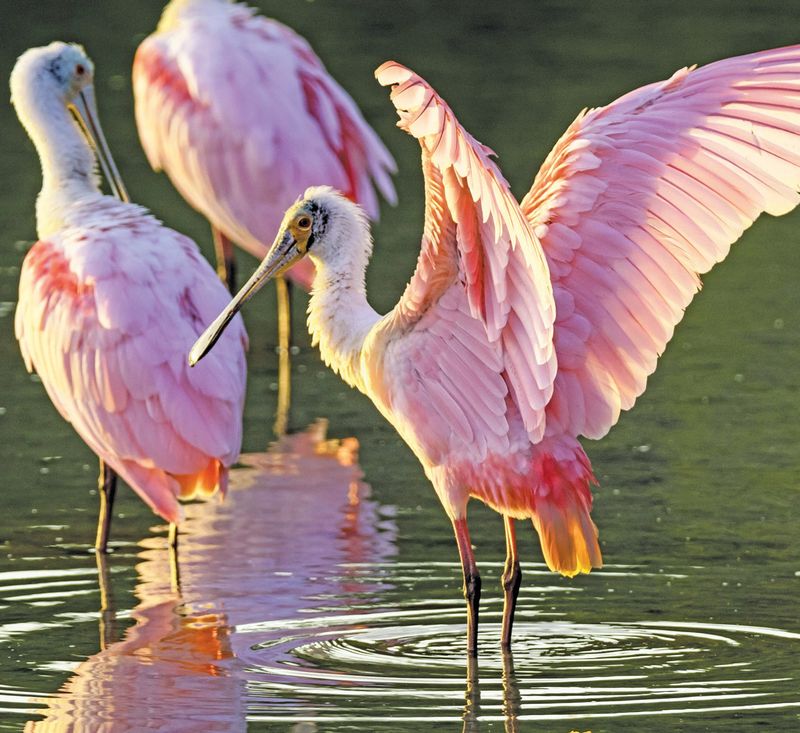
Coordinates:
<point>561,517</point>
<point>203,483</point>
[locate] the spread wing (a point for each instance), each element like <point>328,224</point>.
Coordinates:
<point>474,325</point>
<point>243,117</point>
<point>106,319</point>
<point>640,198</point>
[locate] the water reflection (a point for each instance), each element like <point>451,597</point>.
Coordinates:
<point>329,640</point>
<point>289,541</point>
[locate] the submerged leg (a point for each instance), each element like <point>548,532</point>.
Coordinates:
<point>226,261</point>
<point>472,583</point>
<point>107,486</point>
<point>284,292</point>
<point>107,611</point>
<point>512,577</point>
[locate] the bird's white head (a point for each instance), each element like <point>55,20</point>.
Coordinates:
<point>60,71</point>
<point>324,225</point>
<point>53,94</point>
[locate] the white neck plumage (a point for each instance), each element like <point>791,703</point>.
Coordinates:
<point>68,163</point>
<point>339,316</point>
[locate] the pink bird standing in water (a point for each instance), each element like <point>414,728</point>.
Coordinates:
<point>109,301</point>
<point>241,114</point>
<point>527,326</point>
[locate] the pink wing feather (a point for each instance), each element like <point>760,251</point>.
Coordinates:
<point>641,197</point>
<point>475,322</point>
<point>243,117</point>
<point>106,317</point>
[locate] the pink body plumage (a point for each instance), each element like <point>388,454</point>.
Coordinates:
<point>635,202</point>
<point>108,307</point>
<point>242,115</point>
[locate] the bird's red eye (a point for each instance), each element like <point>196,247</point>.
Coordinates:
<point>80,69</point>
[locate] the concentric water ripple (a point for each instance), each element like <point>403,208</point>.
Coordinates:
<point>558,670</point>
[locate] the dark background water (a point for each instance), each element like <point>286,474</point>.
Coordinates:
<point>698,504</point>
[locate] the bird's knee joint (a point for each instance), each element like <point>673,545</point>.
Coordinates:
<point>512,577</point>
<point>472,587</point>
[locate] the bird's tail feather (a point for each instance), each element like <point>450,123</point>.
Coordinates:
<point>561,517</point>
<point>204,483</point>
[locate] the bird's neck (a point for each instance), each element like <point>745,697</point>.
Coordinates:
<point>68,164</point>
<point>340,318</point>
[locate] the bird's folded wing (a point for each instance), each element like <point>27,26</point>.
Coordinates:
<point>244,118</point>
<point>476,235</point>
<point>638,199</point>
<point>107,328</point>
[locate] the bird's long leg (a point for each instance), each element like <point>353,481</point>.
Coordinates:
<point>512,577</point>
<point>472,583</point>
<point>284,292</point>
<point>226,261</point>
<point>107,487</point>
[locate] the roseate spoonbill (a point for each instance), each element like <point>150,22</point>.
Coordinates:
<point>109,300</point>
<point>241,114</point>
<point>526,326</point>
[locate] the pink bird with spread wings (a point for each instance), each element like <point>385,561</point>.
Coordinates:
<point>241,114</point>
<point>527,326</point>
<point>109,301</point>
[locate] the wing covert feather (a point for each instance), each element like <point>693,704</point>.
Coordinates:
<point>118,373</point>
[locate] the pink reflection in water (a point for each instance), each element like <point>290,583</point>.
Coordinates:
<point>290,541</point>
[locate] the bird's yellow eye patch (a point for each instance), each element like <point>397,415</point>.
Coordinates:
<point>300,228</point>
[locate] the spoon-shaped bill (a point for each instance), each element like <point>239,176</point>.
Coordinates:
<point>281,256</point>
<point>85,111</point>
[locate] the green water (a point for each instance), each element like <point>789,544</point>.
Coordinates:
<point>691,626</point>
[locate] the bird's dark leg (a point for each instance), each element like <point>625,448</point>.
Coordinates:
<point>472,583</point>
<point>284,292</point>
<point>107,487</point>
<point>512,577</point>
<point>226,260</point>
